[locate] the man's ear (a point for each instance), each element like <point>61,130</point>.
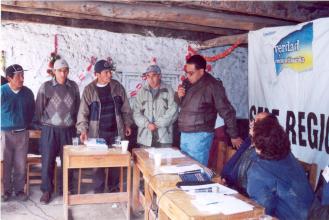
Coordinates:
<point>9,78</point>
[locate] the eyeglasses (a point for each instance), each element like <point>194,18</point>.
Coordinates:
<point>190,72</point>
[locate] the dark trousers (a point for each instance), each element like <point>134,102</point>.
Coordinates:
<point>52,142</point>
<point>113,179</point>
<point>14,147</point>
<point>99,173</point>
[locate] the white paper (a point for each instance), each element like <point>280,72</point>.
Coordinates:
<point>215,188</point>
<point>218,203</point>
<point>179,168</point>
<point>96,144</point>
<point>166,153</point>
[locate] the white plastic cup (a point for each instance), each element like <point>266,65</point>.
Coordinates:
<point>124,145</point>
<point>75,141</point>
<point>157,159</point>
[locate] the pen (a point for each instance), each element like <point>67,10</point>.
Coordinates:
<point>212,203</point>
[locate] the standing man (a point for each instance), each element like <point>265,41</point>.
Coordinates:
<point>155,111</point>
<point>57,106</point>
<point>17,110</point>
<point>104,113</point>
<point>200,99</point>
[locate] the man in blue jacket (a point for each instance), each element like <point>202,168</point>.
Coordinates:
<point>17,110</point>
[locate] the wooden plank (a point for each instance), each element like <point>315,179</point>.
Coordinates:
<point>162,24</point>
<point>151,12</point>
<point>136,184</point>
<point>223,41</point>
<point>98,198</point>
<point>8,17</point>
<point>292,11</point>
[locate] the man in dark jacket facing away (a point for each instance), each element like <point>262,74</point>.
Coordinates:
<point>201,98</point>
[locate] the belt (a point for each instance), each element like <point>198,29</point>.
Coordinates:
<point>17,131</point>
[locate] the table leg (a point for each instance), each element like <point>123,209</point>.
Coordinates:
<point>136,183</point>
<point>65,186</point>
<point>148,193</point>
<point>128,190</point>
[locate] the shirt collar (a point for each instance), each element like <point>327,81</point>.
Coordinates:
<point>55,83</point>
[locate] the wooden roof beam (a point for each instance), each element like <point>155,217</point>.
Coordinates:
<point>9,17</point>
<point>161,24</point>
<point>223,41</point>
<point>286,10</point>
<point>154,12</point>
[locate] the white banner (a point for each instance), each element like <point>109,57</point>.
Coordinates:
<point>289,76</point>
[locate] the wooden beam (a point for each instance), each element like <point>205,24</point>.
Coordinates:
<point>223,41</point>
<point>9,17</point>
<point>161,24</point>
<point>152,12</point>
<point>297,11</point>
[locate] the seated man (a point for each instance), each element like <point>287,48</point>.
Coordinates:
<point>275,178</point>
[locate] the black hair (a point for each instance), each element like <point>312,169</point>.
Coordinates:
<point>198,61</point>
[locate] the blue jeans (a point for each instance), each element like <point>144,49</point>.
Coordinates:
<point>197,145</point>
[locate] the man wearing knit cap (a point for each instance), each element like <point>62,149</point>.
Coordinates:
<point>155,111</point>
<point>104,113</point>
<point>57,106</point>
<point>17,110</point>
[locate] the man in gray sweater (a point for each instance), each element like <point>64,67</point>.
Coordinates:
<point>57,107</point>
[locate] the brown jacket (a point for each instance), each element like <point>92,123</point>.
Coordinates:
<point>200,105</point>
<point>90,109</point>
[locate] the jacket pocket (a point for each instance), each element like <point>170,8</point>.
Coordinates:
<point>94,111</point>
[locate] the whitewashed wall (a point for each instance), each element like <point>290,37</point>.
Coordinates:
<point>30,45</point>
<point>233,71</point>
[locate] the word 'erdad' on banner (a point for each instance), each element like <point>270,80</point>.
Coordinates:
<point>289,76</point>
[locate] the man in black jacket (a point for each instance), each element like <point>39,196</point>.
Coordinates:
<point>201,98</point>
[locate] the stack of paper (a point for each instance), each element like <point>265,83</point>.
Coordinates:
<point>96,144</point>
<point>213,203</point>
<point>166,153</point>
<point>215,188</point>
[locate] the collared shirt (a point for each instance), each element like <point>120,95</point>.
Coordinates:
<point>57,104</point>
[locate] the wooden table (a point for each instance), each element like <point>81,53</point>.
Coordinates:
<point>176,204</point>
<point>80,157</point>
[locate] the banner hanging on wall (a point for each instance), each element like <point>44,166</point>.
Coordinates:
<point>289,76</point>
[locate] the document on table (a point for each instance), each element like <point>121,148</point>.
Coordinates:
<point>217,203</point>
<point>214,188</point>
<point>96,144</point>
<point>179,168</point>
<point>166,153</point>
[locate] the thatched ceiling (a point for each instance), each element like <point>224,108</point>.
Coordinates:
<point>191,20</point>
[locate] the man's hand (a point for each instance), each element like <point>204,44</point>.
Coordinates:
<point>236,142</point>
<point>127,131</point>
<point>181,91</point>
<point>83,136</point>
<point>152,127</point>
